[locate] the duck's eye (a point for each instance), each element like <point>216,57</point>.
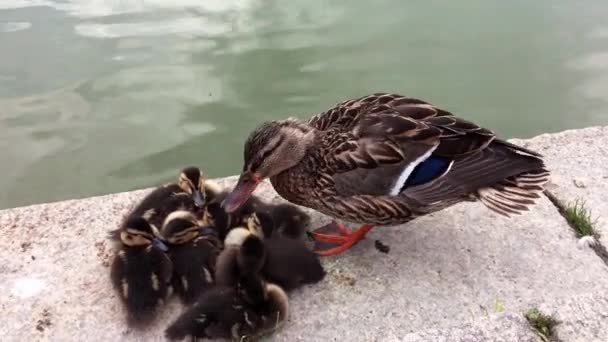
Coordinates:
<point>256,163</point>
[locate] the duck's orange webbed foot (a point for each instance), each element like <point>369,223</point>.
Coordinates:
<point>335,238</point>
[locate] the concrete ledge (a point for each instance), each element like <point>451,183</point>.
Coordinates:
<point>462,274</point>
<point>578,160</point>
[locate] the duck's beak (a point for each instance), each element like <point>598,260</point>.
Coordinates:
<point>199,198</point>
<point>241,192</point>
<point>160,245</point>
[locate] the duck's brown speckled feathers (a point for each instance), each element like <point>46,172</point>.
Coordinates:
<point>365,150</point>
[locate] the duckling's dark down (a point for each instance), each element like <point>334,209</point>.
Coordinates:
<point>243,253</point>
<point>284,261</point>
<point>255,309</point>
<point>193,251</point>
<point>289,220</point>
<point>216,216</point>
<point>191,192</point>
<point>140,271</point>
<point>289,263</point>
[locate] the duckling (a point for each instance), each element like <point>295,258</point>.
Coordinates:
<point>216,216</point>
<point>241,305</point>
<point>289,220</point>
<point>289,263</point>
<point>284,261</point>
<point>193,251</point>
<point>140,271</point>
<point>191,192</point>
<point>213,315</point>
<point>243,253</point>
<point>269,303</point>
<point>255,309</point>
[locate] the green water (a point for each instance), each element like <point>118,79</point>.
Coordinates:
<point>101,96</point>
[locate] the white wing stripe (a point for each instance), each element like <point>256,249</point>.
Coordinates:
<point>407,171</point>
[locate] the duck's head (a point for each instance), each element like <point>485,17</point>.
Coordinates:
<point>192,181</point>
<point>272,148</point>
<point>180,227</point>
<point>138,232</point>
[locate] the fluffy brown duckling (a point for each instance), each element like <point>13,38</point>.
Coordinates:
<point>243,312</point>
<point>241,305</point>
<point>281,260</point>
<point>191,192</point>
<point>244,253</point>
<point>193,251</point>
<point>140,271</point>
<point>216,216</point>
<point>289,220</point>
<point>289,262</point>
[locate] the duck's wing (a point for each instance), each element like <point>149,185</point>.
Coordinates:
<point>379,153</point>
<point>416,150</point>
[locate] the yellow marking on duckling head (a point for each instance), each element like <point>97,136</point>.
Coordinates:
<point>185,183</point>
<point>179,214</point>
<point>206,220</point>
<point>254,225</point>
<point>184,236</point>
<point>134,238</point>
<point>177,232</point>
<point>236,236</point>
<point>125,288</point>
<point>156,231</point>
<point>148,214</point>
<point>155,282</point>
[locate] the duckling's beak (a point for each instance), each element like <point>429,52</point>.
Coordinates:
<point>160,245</point>
<point>199,198</point>
<point>241,192</point>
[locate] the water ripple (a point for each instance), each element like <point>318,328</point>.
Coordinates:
<point>179,26</point>
<point>14,26</point>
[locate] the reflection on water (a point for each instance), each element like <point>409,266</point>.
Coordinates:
<point>100,96</point>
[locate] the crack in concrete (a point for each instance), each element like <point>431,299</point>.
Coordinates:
<point>599,249</point>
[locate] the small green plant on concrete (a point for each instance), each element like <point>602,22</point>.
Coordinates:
<point>543,324</point>
<point>579,218</point>
<point>499,306</point>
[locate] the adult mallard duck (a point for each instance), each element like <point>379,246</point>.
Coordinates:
<point>385,159</point>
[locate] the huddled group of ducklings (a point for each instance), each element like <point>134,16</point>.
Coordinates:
<point>231,271</point>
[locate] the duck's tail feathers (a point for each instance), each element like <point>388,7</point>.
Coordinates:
<point>515,194</point>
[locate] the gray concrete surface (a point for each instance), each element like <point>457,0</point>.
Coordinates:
<point>462,274</point>
<point>578,160</point>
